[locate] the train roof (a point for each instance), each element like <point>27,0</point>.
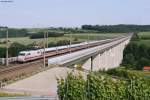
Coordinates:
<point>29,51</point>
<point>60,47</point>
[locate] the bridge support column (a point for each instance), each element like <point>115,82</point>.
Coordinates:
<point>96,62</point>
<point>88,65</point>
<point>102,61</point>
<point>113,57</point>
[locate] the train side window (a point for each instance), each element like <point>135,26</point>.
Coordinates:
<point>22,54</point>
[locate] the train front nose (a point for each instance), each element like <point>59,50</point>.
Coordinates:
<point>20,59</point>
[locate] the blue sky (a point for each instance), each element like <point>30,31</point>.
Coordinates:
<point>71,13</point>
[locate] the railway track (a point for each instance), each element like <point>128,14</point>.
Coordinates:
<point>17,70</point>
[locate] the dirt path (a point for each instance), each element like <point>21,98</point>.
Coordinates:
<point>44,83</point>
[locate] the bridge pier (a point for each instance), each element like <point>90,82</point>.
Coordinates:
<point>87,64</point>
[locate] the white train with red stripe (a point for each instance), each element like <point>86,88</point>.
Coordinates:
<point>25,56</point>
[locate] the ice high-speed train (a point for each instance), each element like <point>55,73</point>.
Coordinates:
<point>25,56</point>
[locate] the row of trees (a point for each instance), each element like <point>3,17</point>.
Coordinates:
<point>14,33</point>
<point>136,56</point>
<point>117,28</point>
<point>102,87</point>
<point>25,33</point>
<point>41,35</point>
<point>70,30</point>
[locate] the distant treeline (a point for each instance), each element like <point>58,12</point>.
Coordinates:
<point>117,28</point>
<point>14,33</point>
<point>41,35</point>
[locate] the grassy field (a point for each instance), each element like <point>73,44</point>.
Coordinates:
<point>10,95</point>
<point>27,40</point>
<point>146,42</point>
<point>144,34</point>
<point>93,36</point>
<point>145,38</point>
<point>80,38</point>
<point>145,73</point>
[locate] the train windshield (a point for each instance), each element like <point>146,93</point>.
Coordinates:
<point>22,54</point>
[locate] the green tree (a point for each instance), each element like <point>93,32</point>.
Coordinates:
<point>129,60</point>
<point>143,62</point>
<point>148,51</point>
<point>15,48</point>
<point>135,37</point>
<point>136,56</point>
<point>2,52</point>
<point>142,51</point>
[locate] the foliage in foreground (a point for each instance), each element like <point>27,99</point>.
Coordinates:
<point>102,87</point>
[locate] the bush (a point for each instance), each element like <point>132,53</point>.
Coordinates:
<point>71,88</point>
<point>123,73</point>
<point>15,48</point>
<point>142,62</point>
<point>75,39</point>
<point>135,37</point>
<point>52,44</point>
<point>63,42</point>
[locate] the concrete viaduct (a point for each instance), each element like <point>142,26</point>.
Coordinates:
<point>102,57</point>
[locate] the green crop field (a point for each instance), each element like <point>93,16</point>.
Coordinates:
<point>146,42</point>
<point>144,34</point>
<point>27,40</point>
<point>79,37</point>
<point>93,36</point>
<point>145,38</point>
